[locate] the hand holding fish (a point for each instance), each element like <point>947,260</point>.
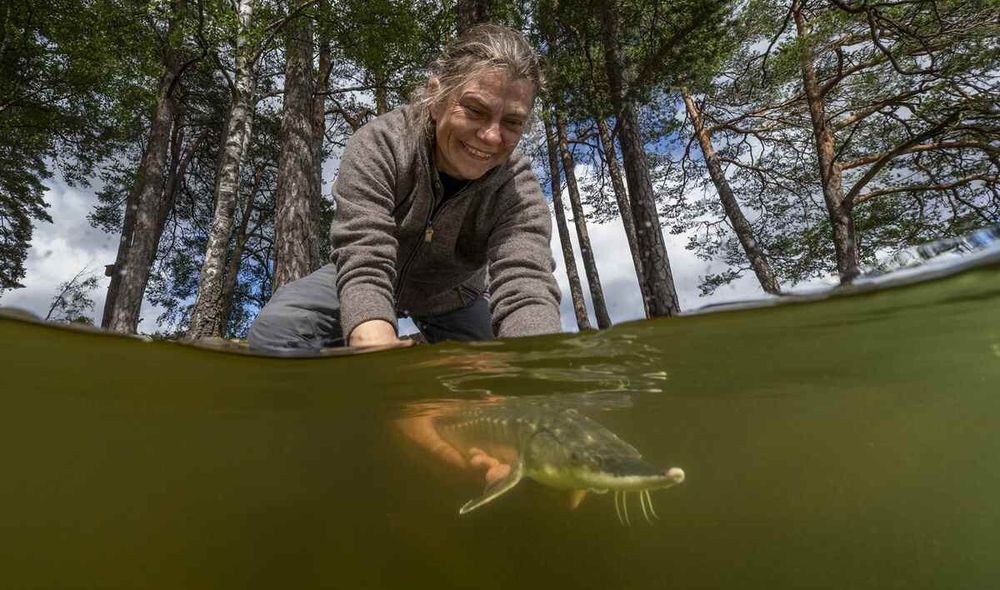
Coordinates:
<point>545,439</point>
<point>495,470</point>
<point>422,431</point>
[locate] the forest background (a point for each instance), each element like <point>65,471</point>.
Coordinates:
<point>169,162</point>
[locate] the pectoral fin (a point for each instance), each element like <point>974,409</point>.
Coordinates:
<point>496,488</point>
<point>576,497</point>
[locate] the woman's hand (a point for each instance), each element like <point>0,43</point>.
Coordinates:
<point>421,430</point>
<point>376,333</point>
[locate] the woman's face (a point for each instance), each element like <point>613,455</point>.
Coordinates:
<point>478,127</point>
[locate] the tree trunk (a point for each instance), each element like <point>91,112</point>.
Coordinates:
<point>471,13</point>
<point>239,243</point>
<point>320,237</point>
<point>845,242</point>
<point>381,95</point>
<point>758,261</point>
<point>116,270</point>
<point>657,277</point>
<point>293,211</point>
<point>180,159</point>
<point>575,287</point>
<point>206,316</point>
<point>580,220</point>
<point>140,232</point>
<point>624,207</point>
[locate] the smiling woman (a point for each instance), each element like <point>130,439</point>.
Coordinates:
<point>429,197</point>
<point>479,129</point>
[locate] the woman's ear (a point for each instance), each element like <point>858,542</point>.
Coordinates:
<point>433,86</point>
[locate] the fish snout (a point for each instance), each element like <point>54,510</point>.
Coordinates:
<point>675,474</point>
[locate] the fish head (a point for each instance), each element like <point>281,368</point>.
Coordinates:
<point>568,464</point>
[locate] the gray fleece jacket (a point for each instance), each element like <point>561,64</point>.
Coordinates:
<point>394,257</point>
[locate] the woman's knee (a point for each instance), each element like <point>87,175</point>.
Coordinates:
<point>280,328</point>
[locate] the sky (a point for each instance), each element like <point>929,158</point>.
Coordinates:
<point>61,249</point>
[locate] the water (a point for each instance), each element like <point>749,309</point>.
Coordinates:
<point>850,442</point>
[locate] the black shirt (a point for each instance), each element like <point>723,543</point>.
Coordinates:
<point>451,185</point>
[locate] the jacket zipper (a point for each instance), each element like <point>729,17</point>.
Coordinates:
<point>428,237</point>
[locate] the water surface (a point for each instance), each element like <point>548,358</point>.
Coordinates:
<point>852,442</point>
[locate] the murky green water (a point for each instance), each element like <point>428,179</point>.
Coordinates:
<point>848,443</point>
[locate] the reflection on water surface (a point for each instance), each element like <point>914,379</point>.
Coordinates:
<point>850,442</point>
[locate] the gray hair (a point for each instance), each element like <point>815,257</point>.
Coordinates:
<point>481,48</point>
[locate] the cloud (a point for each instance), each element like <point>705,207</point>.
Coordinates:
<point>61,249</point>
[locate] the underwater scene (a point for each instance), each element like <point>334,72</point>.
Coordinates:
<point>845,439</point>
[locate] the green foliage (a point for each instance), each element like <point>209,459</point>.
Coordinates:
<point>72,303</point>
<point>666,43</point>
<point>71,79</point>
<point>389,42</point>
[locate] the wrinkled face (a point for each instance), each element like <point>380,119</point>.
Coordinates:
<point>478,127</point>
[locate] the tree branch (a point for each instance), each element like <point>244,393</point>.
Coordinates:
<point>927,147</point>
<point>900,149</point>
<point>925,187</point>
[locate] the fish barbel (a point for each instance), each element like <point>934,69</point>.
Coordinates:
<point>557,446</point>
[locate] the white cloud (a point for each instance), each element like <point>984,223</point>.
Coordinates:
<point>61,249</point>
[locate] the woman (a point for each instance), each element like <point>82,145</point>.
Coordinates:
<point>428,198</point>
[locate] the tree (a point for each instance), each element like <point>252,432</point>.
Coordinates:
<point>249,258</point>
<point>580,221</point>
<point>610,159</point>
<point>72,303</point>
<point>146,205</point>
<point>623,88</point>
<point>888,113</point>
<point>734,214</point>
<point>569,259</point>
<point>580,86</point>
<point>70,77</point>
<point>472,12</point>
<point>663,40</point>
<point>206,316</point>
<point>295,218</point>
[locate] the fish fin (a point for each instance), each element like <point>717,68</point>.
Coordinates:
<point>576,498</point>
<point>496,488</point>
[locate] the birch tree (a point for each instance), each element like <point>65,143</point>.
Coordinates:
<point>206,316</point>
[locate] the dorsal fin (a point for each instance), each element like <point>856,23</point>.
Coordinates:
<point>496,488</point>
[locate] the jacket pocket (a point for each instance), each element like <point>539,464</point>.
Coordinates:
<point>467,295</point>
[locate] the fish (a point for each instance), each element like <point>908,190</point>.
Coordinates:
<point>556,445</point>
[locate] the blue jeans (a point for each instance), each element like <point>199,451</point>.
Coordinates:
<point>304,316</point>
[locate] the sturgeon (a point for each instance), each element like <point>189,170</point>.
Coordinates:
<point>555,445</point>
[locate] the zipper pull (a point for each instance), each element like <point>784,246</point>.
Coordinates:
<point>429,233</point>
